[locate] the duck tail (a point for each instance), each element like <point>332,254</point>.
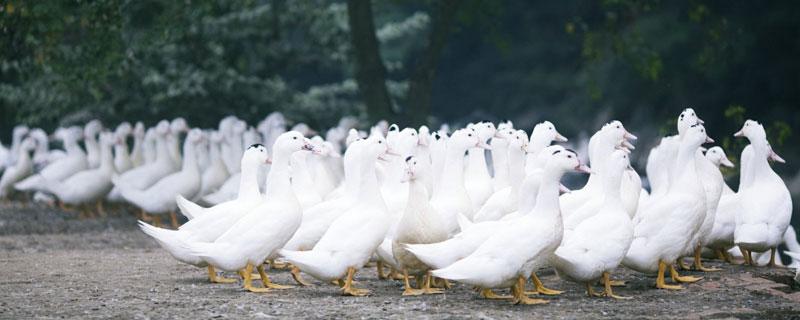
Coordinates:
<point>454,272</point>
<point>173,241</point>
<point>790,239</point>
<point>463,222</point>
<point>188,208</point>
<point>312,262</point>
<point>128,192</point>
<point>435,255</point>
<point>34,182</point>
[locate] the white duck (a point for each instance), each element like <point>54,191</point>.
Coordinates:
<point>143,177</point>
<point>505,201</point>
<point>423,153</point>
<point>90,132</point>
<point>137,154</point>
<point>418,225</point>
<point>267,227</point>
<point>442,254</point>
<point>207,224</point>
<point>720,238</point>
<point>43,156</point>
<point>350,241</point>
<point>543,134</point>
<point>438,149</point>
<point>302,183</point>
<point>176,127</point>
<point>477,180</point>
<point>664,228</point>
<point>88,186</point>
<point>159,198</point>
<point>122,158</point>
<point>499,144</point>
<point>17,136</point>
<point>766,205</point>
<point>59,170</point>
<point>508,257</point>
<point>661,158</point>
<point>597,245</point>
<point>149,150</point>
<point>450,198</point>
<point>216,173</point>
<point>23,167</point>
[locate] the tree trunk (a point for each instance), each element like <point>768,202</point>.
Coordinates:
<point>370,71</point>
<point>419,92</point>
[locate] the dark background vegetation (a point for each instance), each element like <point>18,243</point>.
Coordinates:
<point>576,63</point>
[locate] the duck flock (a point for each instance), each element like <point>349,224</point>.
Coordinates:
<point>482,205</point>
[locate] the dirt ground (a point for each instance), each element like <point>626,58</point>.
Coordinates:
<point>55,265</point>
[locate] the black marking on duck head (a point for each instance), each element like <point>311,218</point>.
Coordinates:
<point>255,145</point>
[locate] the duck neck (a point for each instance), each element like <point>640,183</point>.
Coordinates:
<point>91,143</point>
<point>106,157</point>
<point>685,169</point>
<point>248,180</point>
<point>41,146</point>
<point>547,198</point>
<point>369,189</point>
<point>611,188</point>
<point>189,161</point>
<point>71,146</point>
<point>214,154</point>
<point>453,170</point>
<point>500,160</point>
<point>538,144</point>
<point>477,161</point>
<point>162,151</point>
<point>121,150</point>
<point>300,174</point>
<point>516,165</point>
<point>759,161</point>
<point>278,179</point>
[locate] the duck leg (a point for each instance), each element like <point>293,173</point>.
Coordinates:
<point>682,264</point>
<point>266,282</point>
<point>607,286</point>
<point>519,293</point>
<point>660,284</point>
<point>409,291</point>
<point>379,265</point>
<point>682,279</point>
<point>720,255</point>
<point>347,288</point>
<point>394,274</point>
<point>748,259</point>
<point>489,294</point>
<point>144,216</point>
<point>540,288</point>
<point>590,290</point>
<point>99,207</point>
<point>440,283</point>
<point>426,287</point>
<point>297,278</point>
<point>156,220</point>
<point>728,257</point>
<point>214,278</point>
<point>772,257</point>
<point>247,278</point>
<point>173,219</point>
<point>278,265</point>
<point>698,262</point>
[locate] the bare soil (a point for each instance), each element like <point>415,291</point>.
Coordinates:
<point>55,265</point>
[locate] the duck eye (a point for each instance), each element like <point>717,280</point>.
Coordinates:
<point>380,142</point>
<point>569,156</point>
<point>617,127</point>
<point>469,135</point>
<point>294,138</point>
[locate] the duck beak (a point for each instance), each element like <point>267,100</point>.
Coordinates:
<point>483,145</point>
<point>268,161</point>
<point>738,134</point>
<point>700,121</point>
<point>583,168</point>
<point>560,138</point>
<point>422,142</point>
<point>629,136</point>
<point>709,140</point>
<point>563,189</point>
<point>775,157</point>
<point>704,149</point>
<point>726,162</point>
<point>623,148</point>
<point>391,152</point>
<point>628,145</point>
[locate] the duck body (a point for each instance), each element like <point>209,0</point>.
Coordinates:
<point>477,180</point>
<point>143,177</point>
<point>599,243</point>
<point>22,167</point>
<point>88,185</point>
<point>208,224</point>
<point>353,237</point>
<point>267,227</point>
<point>661,229</point>
<point>766,204</point>
<point>451,199</point>
<point>73,162</point>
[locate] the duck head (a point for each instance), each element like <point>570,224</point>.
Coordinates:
<point>352,135</point>
<point>412,169</point>
<point>255,154</point>
<point>466,139</point>
<point>403,142</point>
<point>162,128</point>
<point>27,144</point>
<point>107,138</point>
<point>717,156</point>
<point>546,131</point>
<point>290,142</point>
<point>518,139</point>
<point>485,130</point>
<point>178,125</point>
<point>695,136</point>
<point>139,130</point>
<point>424,136</point>
<point>375,147</point>
<point>123,129</point>
<point>20,131</point>
<point>39,135</point>
<point>92,128</point>
<point>563,160</point>
<point>686,119</point>
<point>618,162</point>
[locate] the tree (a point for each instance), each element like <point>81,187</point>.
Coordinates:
<point>369,69</point>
